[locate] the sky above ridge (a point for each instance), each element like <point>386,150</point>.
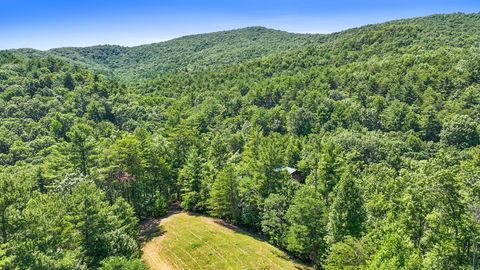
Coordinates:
<point>52,23</point>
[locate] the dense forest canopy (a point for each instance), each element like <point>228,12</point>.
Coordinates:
<point>382,121</point>
<point>186,53</point>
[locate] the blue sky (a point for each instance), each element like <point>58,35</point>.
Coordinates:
<point>44,24</point>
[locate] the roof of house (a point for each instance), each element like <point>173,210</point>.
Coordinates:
<point>290,170</point>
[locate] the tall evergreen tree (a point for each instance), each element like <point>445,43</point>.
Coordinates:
<point>274,220</point>
<point>347,213</point>
<point>48,238</point>
<point>14,190</point>
<point>102,233</point>
<point>190,179</point>
<point>224,198</point>
<point>82,146</point>
<point>306,216</point>
<point>328,172</point>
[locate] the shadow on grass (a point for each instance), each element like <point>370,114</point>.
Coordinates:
<point>237,229</point>
<point>151,228</point>
<point>280,253</point>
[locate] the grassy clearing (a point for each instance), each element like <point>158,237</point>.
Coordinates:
<point>195,242</point>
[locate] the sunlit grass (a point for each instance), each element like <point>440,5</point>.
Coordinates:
<point>196,242</point>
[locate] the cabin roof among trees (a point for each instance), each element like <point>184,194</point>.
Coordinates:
<point>290,170</point>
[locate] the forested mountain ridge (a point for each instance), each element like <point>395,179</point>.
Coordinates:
<point>382,120</point>
<point>223,48</point>
<point>184,53</point>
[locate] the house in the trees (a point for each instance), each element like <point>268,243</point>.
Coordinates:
<point>296,174</point>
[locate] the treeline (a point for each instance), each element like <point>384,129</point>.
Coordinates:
<point>383,122</point>
<point>53,213</point>
<point>186,53</point>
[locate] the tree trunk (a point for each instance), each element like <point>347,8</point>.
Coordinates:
<point>4,226</point>
<point>474,257</point>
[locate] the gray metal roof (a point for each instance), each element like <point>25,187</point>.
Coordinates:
<point>290,170</point>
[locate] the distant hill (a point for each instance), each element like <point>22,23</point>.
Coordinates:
<point>197,52</point>
<point>184,53</point>
<point>383,121</point>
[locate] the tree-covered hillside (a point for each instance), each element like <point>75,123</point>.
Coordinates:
<point>382,121</point>
<point>186,53</point>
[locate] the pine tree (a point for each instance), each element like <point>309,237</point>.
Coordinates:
<point>190,180</point>
<point>224,199</point>
<point>82,146</point>
<point>306,216</point>
<point>69,82</point>
<point>347,213</point>
<point>329,171</point>
<point>274,222</point>
<point>48,239</point>
<point>14,193</point>
<point>104,230</point>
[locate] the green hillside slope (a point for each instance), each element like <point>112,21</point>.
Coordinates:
<point>235,46</point>
<point>382,121</point>
<point>187,53</point>
<point>196,242</point>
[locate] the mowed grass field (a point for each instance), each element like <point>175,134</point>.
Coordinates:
<point>195,242</point>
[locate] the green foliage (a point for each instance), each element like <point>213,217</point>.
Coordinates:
<point>161,206</point>
<point>274,222</point>
<point>329,171</point>
<point>190,178</point>
<point>102,233</point>
<point>48,240</point>
<point>82,146</point>
<point>135,167</point>
<point>396,252</point>
<point>69,82</point>
<point>306,216</point>
<point>385,134</point>
<point>460,131</point>
<point>14,188</point>
<point>72,229</point>
<point>5,260</point>
<point>347,213</point>
<point>350,253</point>
<point>121,263</point>
<point>186,53</point>
<point>224,199</point>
